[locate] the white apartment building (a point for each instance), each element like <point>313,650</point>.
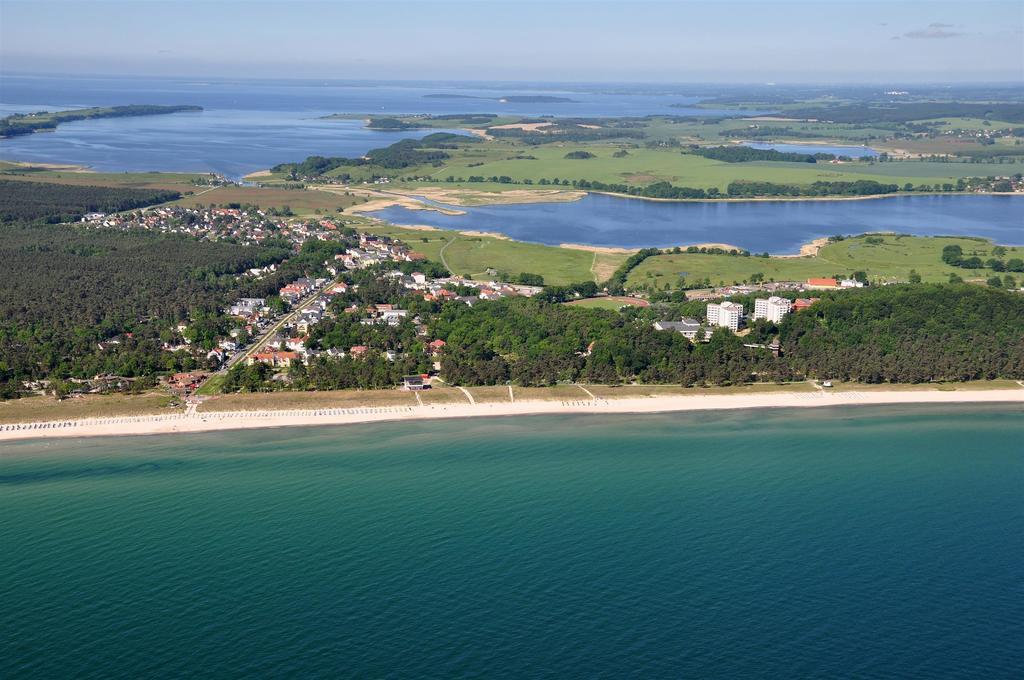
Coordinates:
<point>773,308</point>
<point>726,314</point>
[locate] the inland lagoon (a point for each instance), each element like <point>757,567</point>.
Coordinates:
<point>778,227</point>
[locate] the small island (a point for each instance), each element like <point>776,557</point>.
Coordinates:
<point>27,123</point>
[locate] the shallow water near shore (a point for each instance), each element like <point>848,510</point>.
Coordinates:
<point>778,227</point>
<point>869,541</point>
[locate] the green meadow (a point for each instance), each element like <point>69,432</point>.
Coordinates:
<point>890,260</point>
<point>472,255</point>
<point>643,166</point>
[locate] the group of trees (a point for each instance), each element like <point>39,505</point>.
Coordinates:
<point>667,190</point>
<point>863,187</point>
<point>910,333</point>
<point>80,302</point>
<point>49,202</point>
<point>69,292</point>
<point>745,154</point>
<point>953,255</point>
<point>401,154</point>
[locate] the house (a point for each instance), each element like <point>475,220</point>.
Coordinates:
<point>725,314</point>
<point>247,307</point>
<point>275,359</point>
<point>851,283</point>
<point>415,383</point>
<point>393,317</point>
<point>419,277</point>
<point>358,351</point>
<point>821,284</point>
<point>296,344</point>
<point>187,381</point>
<point>773,309</point>
<point>690,328</point>
<point>801,304</point>
<point>435,346</point>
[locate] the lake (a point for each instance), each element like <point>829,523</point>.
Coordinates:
<point>250,125</point>
<point>850,151</point>
<point>857,542</point>
<point>778,227</point>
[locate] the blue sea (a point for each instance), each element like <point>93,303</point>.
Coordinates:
<point>250,124</point>
<point>862,542</point>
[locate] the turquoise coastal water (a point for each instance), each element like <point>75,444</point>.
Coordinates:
<point>861,542</point>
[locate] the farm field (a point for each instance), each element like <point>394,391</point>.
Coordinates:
<point>890,260</point>
<point>300,201</point>
<point>168,181</point>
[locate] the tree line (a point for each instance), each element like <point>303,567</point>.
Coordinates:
<point>909,333</point>
<point>50,202</point>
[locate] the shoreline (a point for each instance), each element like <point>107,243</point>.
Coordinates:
<point>789,199</point>
<point>212,421</point>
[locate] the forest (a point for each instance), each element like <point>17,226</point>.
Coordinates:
<point>78,303</point>
<point>909,333</point>
<point>52,203</point>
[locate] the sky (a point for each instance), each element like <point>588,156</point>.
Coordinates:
<point>558,40</point>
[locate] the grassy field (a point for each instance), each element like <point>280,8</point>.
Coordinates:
<point>890,260</point>
<point>555,392</point>
<point>301,400</point>
<point>170,181</point>
<point>645,166</point>
<point>301,201</point>
<point>612,303</point>
<point>471,255</point>
<point>489,393</point>
<point>31,409</point>
<point>925,387</point>
<point>443,395</point>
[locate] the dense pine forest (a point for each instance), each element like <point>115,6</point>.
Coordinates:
<point>22,201</point>
<point>77,302</point>
<point>910,333</point>
<point>66,290</point>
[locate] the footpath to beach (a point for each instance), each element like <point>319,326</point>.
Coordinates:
<point>206,421</point>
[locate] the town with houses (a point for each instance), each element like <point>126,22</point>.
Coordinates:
<point>275,333</point>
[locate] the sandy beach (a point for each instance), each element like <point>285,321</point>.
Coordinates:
<point>207,421</point>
